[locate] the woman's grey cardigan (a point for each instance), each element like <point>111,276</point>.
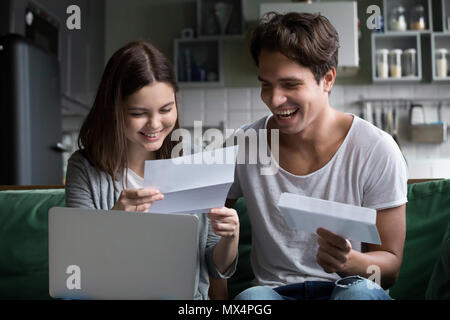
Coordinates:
<point>88,187</point>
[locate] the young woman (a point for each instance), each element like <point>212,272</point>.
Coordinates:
<point>133,116</point>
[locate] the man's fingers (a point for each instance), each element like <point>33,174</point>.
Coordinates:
<point>331,264</point>
<point>324,264</point>
<point>331,250</point>
<point>336,240</point>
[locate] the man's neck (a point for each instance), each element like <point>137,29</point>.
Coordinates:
<point>312,148</point>
<point>319,133</point>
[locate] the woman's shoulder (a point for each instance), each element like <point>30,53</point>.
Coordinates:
<point>80,161</point>
<point>78,156</point>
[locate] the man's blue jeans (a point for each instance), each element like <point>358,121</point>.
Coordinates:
<point>349,288</point>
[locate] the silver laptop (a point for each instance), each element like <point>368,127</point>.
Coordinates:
<point>95,254</point>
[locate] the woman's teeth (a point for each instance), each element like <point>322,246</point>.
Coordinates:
<point>150,135</point>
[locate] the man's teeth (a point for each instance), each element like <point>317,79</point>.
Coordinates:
<point>286,113</point>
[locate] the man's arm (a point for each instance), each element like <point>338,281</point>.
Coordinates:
<point>336,255</point>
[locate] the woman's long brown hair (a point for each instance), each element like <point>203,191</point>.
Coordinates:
<point>102,136</point>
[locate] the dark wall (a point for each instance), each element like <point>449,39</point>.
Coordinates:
<point>4,16</point>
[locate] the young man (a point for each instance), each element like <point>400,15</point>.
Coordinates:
<point>325,154</point>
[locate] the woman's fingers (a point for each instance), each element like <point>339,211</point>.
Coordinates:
<point>224,221</point>
<point>223,226</point>
<point>143,207</point>
<point>141,193</point>
<point>138,199</point>
<point>222,213</point>
<point>144,200</point>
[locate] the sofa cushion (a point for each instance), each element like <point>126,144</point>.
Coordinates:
<point>243,276</point>
<point>439,284</point>
<point>24,242</point>
<point>427,217</point>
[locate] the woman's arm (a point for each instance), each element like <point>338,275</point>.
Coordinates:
<point>78,186</point>
<point>225,223</point>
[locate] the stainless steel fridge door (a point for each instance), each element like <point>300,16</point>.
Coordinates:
<point>30,114</point>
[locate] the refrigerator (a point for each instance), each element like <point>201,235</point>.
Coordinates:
<point>30,114</point>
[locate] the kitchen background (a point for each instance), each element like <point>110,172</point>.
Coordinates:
<point>218,78</point>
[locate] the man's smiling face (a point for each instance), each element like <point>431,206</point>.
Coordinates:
<point>290,91</point>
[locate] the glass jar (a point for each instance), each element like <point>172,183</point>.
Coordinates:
<point>441,62</point>
<point>417,18</point>
<point>398,19</point>
<point>382,63</point>
<point>395,63</point>
<point>409,62</point>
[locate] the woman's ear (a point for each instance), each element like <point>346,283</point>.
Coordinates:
<point>328,80</point>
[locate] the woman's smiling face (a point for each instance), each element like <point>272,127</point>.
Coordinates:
<point>151,115</point>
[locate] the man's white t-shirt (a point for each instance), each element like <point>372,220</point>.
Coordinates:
<point>368,170</point>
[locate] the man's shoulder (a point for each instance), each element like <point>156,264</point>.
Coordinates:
<point>256,125</point>
<point>370,142</point>
<point>365,133</point>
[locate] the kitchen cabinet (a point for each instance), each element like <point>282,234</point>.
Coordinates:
<point>428,41</point>
<point>409,20</point>
<point>198,60</point>
<point>80,52</point>
<point>391,42</point>
<point>440,41</point>
<point>443,8</point>
<point>219,18</point>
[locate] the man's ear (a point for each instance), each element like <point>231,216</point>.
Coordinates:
<point>328,80</point>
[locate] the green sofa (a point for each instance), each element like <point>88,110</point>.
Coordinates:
<point>424,273</point>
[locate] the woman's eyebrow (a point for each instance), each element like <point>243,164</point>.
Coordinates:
<point>261,79</point>
<point>132,108</point>
<point>137,109</point>
<point>168,104</point>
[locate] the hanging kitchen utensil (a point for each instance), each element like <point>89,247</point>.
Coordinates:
<point>395,126</point>
<point>374,116</point>
<point>383,119</point>
<point>416,114</point>
<point>389,121</point>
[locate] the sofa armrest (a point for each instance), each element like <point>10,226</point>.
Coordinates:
<point>5,188</point>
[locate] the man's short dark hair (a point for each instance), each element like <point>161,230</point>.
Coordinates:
<point>309,39</point>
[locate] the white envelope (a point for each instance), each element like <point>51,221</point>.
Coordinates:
<point>348,221</point>
<point>193,183</point>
